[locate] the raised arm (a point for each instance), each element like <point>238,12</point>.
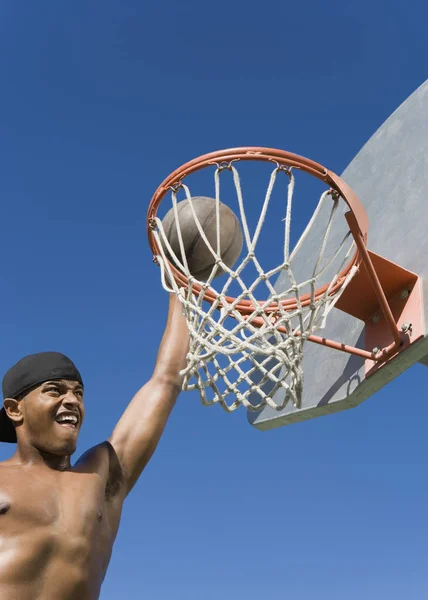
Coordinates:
<point>138,431</point>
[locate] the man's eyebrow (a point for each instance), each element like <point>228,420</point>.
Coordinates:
<point>62,382</point>
<point>75,386</point>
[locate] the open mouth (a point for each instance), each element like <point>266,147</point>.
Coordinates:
<point>68,421</point>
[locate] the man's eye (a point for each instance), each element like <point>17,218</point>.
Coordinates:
<point>52,390</point>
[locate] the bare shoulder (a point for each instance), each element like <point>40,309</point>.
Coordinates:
<point>103,461</point>
<point>10,469</point>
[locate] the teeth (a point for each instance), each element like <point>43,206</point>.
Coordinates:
<point>67,419</point>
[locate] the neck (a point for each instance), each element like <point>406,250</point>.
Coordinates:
<point>29,455</point>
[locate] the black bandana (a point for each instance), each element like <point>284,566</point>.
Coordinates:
<point>30,371</point>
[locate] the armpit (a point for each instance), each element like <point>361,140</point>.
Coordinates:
<point>116,478</point>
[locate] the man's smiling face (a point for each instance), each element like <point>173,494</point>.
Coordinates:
<point>50,416</point>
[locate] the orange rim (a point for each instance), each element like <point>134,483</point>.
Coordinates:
<point>283,158</point>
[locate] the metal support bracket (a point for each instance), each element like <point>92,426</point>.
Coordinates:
<point>403,292</point>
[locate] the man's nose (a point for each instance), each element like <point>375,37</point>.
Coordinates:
<point>71,400</point>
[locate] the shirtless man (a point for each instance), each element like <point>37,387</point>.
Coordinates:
<point>59,522</point>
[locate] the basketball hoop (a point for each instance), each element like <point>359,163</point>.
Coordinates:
<point>264,349</point>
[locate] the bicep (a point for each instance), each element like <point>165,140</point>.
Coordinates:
<point>138,431</point>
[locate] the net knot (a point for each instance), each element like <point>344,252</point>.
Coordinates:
<point>225,165</point>
<point>176,187</point>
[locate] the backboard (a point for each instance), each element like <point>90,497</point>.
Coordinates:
<point>390,177</point>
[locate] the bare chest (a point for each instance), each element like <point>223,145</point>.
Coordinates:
<point>67,501</point>
<point>55,523</point>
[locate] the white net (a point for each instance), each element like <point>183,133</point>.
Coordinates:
<point>232,360</point>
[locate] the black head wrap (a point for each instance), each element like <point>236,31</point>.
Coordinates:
<point>31,371</point>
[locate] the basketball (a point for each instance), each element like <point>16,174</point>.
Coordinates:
<point>199,257</point>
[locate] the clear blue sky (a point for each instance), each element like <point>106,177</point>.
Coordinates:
<point>99,101</point>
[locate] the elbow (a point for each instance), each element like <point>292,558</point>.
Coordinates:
<point>169,382</point>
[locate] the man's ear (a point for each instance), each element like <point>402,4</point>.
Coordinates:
<point>13,410</point>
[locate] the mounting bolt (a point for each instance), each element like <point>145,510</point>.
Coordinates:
<point>376,350</point>
<point>375,318</point>
<point>404,294</point>
<point>406,327</point>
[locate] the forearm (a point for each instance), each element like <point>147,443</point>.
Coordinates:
<point>174,346</point>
